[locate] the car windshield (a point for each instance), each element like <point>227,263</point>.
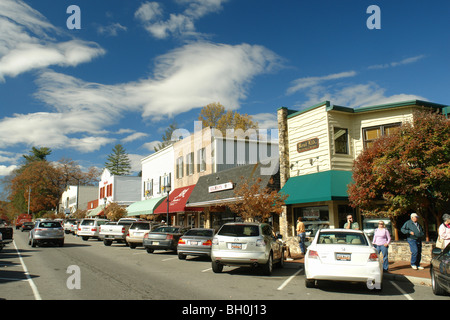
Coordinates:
<point>239,230</point>
<point>200,233</point>
<point>166,229</point>
<point>140,226</point>
<point>330,237</point>
<point>48,224</point>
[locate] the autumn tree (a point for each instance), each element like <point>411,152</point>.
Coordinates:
<point>256,201</point>
<point>118,162</point>
<point>409,170</point>
<point>114,212</point>
<point>214,115</point>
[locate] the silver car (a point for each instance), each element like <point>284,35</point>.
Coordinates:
<point>46,231</point>
<point>195,242</point>
<point>246,244</point>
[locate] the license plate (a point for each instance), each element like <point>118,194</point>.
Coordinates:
<point>136,234</point>
<point>156,243</point>
<point>343,256</point>
<point>193,243</point>
<point>236,246</point>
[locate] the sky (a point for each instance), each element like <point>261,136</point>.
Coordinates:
<point>134,67</point>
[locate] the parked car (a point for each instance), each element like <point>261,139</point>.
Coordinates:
<point>163,238</point>
<point>27,226</point>
<point>68,224</point>
<point>89,228</point>
<point>7,233</point>
<point>195,242</point>
<point>343,255</point>
<point>46,231</point>
<point>137,231</point>
<point>246,244</point>
<point>440,271</point>
<point>115,231</point>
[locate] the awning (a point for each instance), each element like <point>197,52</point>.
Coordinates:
<point>177,201</point>
<point>321,186</point>
<point>144,207</point>
<point>97,211</point>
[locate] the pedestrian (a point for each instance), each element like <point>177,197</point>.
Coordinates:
<point>381,241</point>
<point>301,233</point>
<point>350,224</point>
<point>414,231</point>
<point>444,230</point>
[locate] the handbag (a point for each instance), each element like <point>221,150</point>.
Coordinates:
<point>440,243</point>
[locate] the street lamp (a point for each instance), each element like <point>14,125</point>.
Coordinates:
<point>167,188</point>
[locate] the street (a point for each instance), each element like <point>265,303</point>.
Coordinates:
<point>88,270</point>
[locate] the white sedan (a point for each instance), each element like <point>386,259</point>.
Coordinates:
<point>343,255</point>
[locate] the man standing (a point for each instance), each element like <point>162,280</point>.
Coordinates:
<point>415,233</point>
<point>350,224</point>
<point>301,232</point>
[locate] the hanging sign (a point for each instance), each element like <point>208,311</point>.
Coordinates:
<point>307,145</point>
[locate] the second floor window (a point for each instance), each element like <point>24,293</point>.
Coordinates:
<point>340,141</point>
<point>179,168</point>
<point>373,133</point>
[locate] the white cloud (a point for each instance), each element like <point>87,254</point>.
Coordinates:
<point>150,14</point>
<point>27,42</point>
<point>134,136</point>
<point>303,83</point>
<point>399,63</point>
<point>6,170</point>
<point>111,30</point>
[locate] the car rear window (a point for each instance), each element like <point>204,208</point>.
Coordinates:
<point>88,222</point>
<point>140,226</point>
<point>239,230</point>
<point>200,233</point>
<point>166,229</point>
<point>330,237</point>
<point>50,225</point>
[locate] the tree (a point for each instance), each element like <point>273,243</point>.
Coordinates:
<point>214,115</point>
<point>167,137</point>
<point>118,162</point>
<point>114,212</point>
<point>409,170</point>
<point>37,154</point>
<point>255,200</point>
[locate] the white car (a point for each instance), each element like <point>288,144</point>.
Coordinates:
<point>90,228</point>
<point>343,255</point>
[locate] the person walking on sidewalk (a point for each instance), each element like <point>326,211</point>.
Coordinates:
<point>381,241</point>
<point>444,230</point>
<point>301,232</point>
<point>415,233</point>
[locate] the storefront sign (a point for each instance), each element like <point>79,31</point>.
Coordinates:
<point>311,213</point>
<point>307,145</point>
<point>221,187</point>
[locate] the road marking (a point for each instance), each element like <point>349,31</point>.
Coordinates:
<point>285,283</point>
<point>407,296</point>
<point>37,296</point>
<point>169,259</point>
<point>206,270</point>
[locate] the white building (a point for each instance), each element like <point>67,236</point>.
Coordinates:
<point>77,197</point>
<point>123,190</point>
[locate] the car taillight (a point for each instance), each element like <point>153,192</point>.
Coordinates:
<point>373,257</point>
<point>169,237</point>
<point>181,241</point>
<point>260,243</point>
<point>123,229</point>
<point>146,236</point>
<point>94,229</point>
<point>313,254</point>
<point>207,243</point>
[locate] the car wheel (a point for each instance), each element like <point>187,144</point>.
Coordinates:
<point>268,267</point>
<point>132,245</point>
<point>61,243</point>
<point>437,289</point>
<point>150,250</point>
<point>107,243</point>
<point>310,283</point>
<point>85,238</point>
<point>181,256</point>
<point>33,243</point>
<point>217,267</point>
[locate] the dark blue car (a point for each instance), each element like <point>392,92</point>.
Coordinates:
<point>440,271</point>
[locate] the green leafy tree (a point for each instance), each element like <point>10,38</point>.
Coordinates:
<point>118,162</point>
<point>409,170</point>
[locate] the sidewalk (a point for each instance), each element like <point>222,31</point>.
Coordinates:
<point>398,271</point>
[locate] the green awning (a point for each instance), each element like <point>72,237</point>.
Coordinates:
<point>144,207</point>
<point>96,211</point>
<point>320,186</point>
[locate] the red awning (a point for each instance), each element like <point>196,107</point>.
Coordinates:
<point>177,201</point>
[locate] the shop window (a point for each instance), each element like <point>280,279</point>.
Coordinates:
<point>340,141</point>
<point>373,133</point>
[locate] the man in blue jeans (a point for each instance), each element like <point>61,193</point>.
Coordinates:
<point>415,233</point>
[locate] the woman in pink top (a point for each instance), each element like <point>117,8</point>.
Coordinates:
<point>381,241</point>
<point>444,229</point>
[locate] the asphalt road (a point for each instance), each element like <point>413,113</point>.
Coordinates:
<point>88,270</point>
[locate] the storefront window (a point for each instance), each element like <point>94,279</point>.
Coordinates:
<point>314,218</point>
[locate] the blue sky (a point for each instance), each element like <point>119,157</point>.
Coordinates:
<point>136,66</point>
